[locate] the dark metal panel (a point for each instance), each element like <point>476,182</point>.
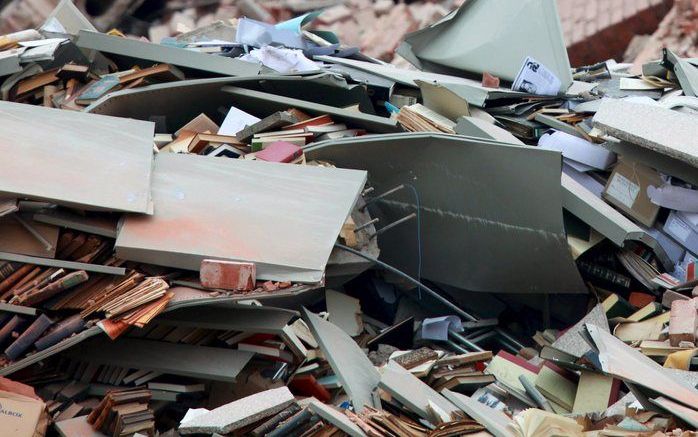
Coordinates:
<point>491,214</point>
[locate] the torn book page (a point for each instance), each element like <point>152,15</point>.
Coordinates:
<point>235,121</point>
<point>436,328</point>
<point>535,78</point>
<point>281,60</point>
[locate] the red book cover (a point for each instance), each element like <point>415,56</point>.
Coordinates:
<point>279,151</point>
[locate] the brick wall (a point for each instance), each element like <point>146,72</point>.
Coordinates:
<point>596,30</point>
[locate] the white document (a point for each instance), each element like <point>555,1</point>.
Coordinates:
<point>678,229</point>
<point>437,328</point>
<point>623,189</point>
<point>535,78</point>
<point>691,219</point>
<point>673,197</point>
<point>281,60</point>
<point>42,42</point>
<point>634,84</point>
<point>578,149</point>
<point>235,121</point>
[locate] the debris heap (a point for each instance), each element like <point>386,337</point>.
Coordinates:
<point>260,229</point>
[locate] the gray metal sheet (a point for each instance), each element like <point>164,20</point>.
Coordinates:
<point>59,263</point>
<point>138,49</point>
<point>358,376</point>
<point>470,90</point>
<point>75,159</point>
<point>258,102</point>
<point>181,101</point>
<point>9,65</point>
<point>98,225</point>
<point>496,422</point>
<point>494,36</point>
<point>336,418</point>
<point>686,73</point>
<point>53,350</point>
<point>176,304</point>
<point>605,219</point>
<point>230,317</point>
<point>412,392</point>
<point>491,214</point>
<point>70,17</point>
<point>622,361</point>
<point>178,359</point>
<point>663,163</point>
<point>284,218</point>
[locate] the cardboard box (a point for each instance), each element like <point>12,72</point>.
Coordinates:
<point>20,416</point>
<point>626,189</point>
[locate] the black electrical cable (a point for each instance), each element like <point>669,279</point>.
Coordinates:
<point>433,293</point>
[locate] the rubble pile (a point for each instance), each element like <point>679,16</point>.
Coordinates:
<point>261,229</point>
<point>677,30</point>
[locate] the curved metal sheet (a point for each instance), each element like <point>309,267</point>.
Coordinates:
<point>75,159</point>
<point>179,102</point>
<point>491,214</point>
<point>466,40</point>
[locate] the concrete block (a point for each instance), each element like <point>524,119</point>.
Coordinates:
<point>240,413</point>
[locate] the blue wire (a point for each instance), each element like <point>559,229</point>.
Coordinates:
<point>419,238</point>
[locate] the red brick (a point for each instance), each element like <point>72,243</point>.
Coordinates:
<point>227,275</point>
<point>489,80</point>
<point>683,322</point>
<point>639,300</point>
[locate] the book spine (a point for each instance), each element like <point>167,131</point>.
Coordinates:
<point>14,278</point>
<point>28,337</point>
<point>63,330</point>
<point>68,281</point>
<point>14,325</point>
<point>605,274</point>
<point>7,269</point>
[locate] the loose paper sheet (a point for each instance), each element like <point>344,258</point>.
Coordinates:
<point>535,78</point>
<point>235,121</point>
<point>437,328</point>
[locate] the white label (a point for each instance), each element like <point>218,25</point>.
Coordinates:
<point>535,78</point>
<point>623,190</point>
<point>679,229</point>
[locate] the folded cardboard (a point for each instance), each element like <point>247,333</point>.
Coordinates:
<point>20,416</point>
<point>627,190</point>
